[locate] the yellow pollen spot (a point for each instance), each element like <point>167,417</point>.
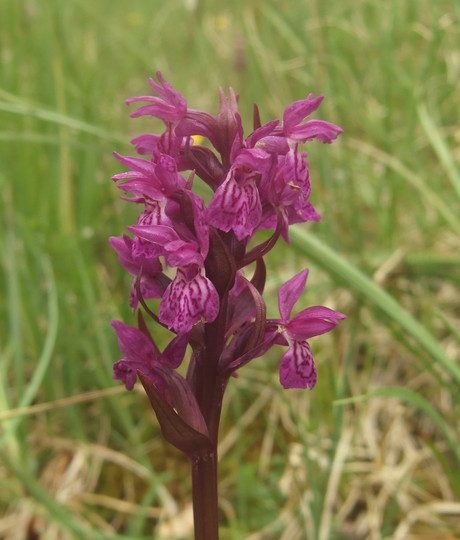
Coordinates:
<point>197,139</point>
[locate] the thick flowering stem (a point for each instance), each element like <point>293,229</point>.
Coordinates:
<point>205,496</point>
<point>209,389</point>
<point>204,470</point>
<point>210,393</point>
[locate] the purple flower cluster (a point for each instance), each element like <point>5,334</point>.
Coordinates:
<point>192,255</point>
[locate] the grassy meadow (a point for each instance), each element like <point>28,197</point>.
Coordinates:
<point>373,452</point>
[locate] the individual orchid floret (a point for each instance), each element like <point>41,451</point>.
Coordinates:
<point>285,193</point>
<point>189,298</point>
<point>182,238</point>
<point>153,217</point>
<point>124,248</point>
<point>236,205</point>
<point>140,354</point>
<point>170,107</point>
<point>189,216</point>
<point>169,393</point>
<point>297,368</point>
<point>154,180</point>
<point>164,241</point>
<point>149,280</point>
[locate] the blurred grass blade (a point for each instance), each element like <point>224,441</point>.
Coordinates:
<point>455,333</point>
<point>414,179</point>
<point>47,406</point>
<point>440,147</point>
<point>283,29</point>
<point>29,110</point>
<point>50,340</point>
<point>12,354</point>
<point>344,271</point>
<point>47,350</point>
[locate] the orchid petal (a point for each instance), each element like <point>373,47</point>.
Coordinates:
<point>134,344</point>
<point>313,321</point>
<point>324,131</point>
<point>157,234</point>
<point>290,292</point>
<point>299,110</point>
<point>175,351</point>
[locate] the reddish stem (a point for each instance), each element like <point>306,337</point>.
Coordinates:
<point>205,497</point>
<point>209,391</point>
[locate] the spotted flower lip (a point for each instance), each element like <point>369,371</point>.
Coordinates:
<point>189,298</point>
<point>297,367</point>
<point>236,206</point>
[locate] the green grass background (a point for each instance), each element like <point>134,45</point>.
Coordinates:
<point>373,451</point>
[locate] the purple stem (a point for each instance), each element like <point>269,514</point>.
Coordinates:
<point>205,496</point>
<point>209,391</point>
